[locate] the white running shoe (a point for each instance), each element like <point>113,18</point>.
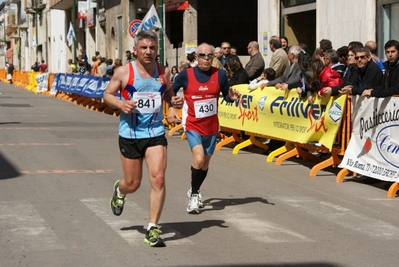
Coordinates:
<point>193,204</point>
<point>200,203</point>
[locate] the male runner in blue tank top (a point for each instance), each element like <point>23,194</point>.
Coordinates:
<point>143,85</point>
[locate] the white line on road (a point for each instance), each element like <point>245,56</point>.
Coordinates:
<point>130,225</point>
<point>347,218</point>
<point>23,229</point>
<point>258,229</point>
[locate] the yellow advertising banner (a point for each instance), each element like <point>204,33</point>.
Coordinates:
<point>284,115</point>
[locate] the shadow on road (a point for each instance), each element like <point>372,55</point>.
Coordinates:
<point>7,170</point>
<point>222,203</point>
<point>300,264</point>
<point>186,229</point>
<point>11,122</point>
<point>384,185</point>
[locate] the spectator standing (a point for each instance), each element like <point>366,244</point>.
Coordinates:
<point>279,61</point>
<point>10,72</point>
<point>215,61</point>
<point>109,68</point>
<point>98,55</point>
<point>43,67</point>
<point>101,67</point>
<point>236,74</point>
<point>117,64</point>
<point>369,73</point>
<point>233,50</point>
<point>191,58</point>
<point>71,68</point>
<point>94,65</point>
<point>225,53</point>
<point>318,54</point>
<point>36,66</point>
<point>293,73</point>
<point>84,57</point>
<point>322,76</point>
<point>82,69</point>
<point>390,84</point>
<point>174,73</point>
<point>372,45</point>
<point>218,52</point>
<point>128,56</point>
<point>325,45</point>
<point>331,60</point>
<point>256,63</point>
<point>343,55</point>
<point>284,43</point>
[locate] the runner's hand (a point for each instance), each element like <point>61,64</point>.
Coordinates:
<point>234,94</point>
<point>128,106</point>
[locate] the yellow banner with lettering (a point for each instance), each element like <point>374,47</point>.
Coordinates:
<point>283,115</point>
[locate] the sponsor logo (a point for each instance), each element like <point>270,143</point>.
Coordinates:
<point>335,112</point>
<point>387,144</point>
<point>261,102</point>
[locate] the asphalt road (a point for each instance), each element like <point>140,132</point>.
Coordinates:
<point>59,161</point>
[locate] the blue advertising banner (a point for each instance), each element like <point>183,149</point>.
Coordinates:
<point>89,86</point>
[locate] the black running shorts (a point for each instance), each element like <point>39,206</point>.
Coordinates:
<point>135,148</point>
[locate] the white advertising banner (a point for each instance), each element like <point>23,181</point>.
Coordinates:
<point>373,149</point>
<point>42,82</point>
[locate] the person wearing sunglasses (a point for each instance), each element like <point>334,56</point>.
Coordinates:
<point>369,73</point>
<point>256,63</point>
<point>202,86</point>
<point>225,53</point>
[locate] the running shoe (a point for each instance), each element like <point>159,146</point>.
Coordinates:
<point>200,203</point>
<point>117,202</point>
<point>152,237</point>
<point>193,204</point>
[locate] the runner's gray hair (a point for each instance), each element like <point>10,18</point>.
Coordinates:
<point>146,35</point>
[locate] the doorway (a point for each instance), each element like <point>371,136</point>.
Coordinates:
<point>298,24</point>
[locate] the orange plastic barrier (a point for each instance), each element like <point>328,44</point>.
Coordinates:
<point>341,143</point>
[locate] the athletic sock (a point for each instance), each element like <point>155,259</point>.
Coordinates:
<point>150,225</point>
<point>196,178</point>
<point>203,176</point>
<point>120,195</point>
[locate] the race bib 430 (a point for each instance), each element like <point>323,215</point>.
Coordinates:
<point>205,108</point>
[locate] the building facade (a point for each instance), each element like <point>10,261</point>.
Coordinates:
<point>37,29</point>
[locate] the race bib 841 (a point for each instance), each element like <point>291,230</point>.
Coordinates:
<point>147,102</point>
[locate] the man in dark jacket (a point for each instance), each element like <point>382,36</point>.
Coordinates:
<point>368,74</point>
<point>225,53</point>
<point>10,72</point>
<point>390,84</point>
<point>36,66</point>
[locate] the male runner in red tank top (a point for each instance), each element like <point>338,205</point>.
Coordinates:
<point>202,86</point>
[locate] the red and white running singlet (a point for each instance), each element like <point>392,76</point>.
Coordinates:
<point>200,110</point>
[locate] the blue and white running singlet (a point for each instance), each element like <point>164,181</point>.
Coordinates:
<point>146,120</point>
